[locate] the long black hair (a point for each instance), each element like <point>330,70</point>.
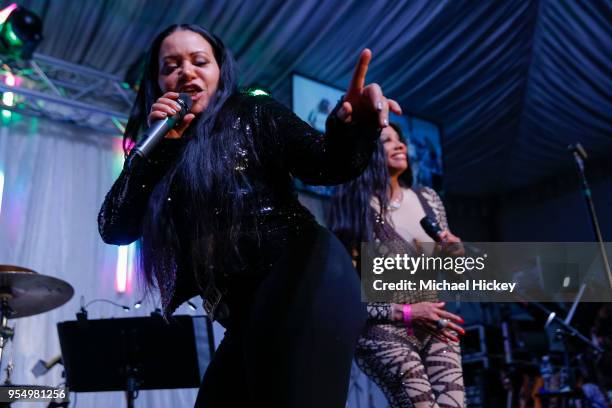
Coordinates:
<point>351,215</point>
<point>194,213</point>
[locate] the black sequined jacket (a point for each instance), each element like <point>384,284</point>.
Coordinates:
<point>286,147</point>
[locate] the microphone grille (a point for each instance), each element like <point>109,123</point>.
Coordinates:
<point>431,227</point>
<point>185,101</point>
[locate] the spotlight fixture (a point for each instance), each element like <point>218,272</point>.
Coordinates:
<point>20,32</point>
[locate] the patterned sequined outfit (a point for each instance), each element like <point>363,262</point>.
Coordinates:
<point>293,297</point>
<point>414,371</point>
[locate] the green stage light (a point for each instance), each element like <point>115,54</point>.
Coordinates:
<point>11,37</point>
<point>20,32</point>
<point>257,91</point>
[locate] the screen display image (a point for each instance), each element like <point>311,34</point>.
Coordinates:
<point>313,101</point>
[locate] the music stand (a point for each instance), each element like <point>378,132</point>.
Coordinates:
<point>139,353</point>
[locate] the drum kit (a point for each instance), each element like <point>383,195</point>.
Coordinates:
<point>24,292</point>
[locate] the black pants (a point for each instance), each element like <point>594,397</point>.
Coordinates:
<point>290,343</point>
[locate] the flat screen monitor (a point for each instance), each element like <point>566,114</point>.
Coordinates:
<point>313,100</point>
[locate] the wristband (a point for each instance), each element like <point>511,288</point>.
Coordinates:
<point>407,312</point>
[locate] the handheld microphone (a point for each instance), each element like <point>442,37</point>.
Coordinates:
<point>431,227</point>
<point>157,131</point>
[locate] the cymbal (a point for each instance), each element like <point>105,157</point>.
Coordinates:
<point>29,293</point>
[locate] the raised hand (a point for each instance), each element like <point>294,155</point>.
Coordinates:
<point>364,103</point>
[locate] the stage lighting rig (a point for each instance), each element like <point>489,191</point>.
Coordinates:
<point>20,32</point>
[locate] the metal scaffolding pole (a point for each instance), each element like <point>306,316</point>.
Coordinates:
<point>67,92</point>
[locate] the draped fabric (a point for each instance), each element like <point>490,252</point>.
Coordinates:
<point>569,93</point>
<point>512,82</point>
<point>55,177</point>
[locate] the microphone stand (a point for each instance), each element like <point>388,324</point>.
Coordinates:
<point>566,329</point>
<point>580,156</point>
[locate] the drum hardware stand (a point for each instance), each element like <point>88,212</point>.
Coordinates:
<point>24,292</point>
<point>9,373</point>
<point>6,332</point>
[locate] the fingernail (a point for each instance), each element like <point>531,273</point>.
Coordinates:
<point>164,114</point>
<point>386,122</point>
<point>379,106</point>
<point>172,112</point>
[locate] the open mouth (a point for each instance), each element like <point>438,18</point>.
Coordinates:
<point>399,156</point>
<point>192,90</point>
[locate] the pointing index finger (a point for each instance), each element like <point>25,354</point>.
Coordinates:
<point>358,80</point>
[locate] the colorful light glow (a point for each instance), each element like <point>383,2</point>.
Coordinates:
<point>12,37</point>
<point>8,98</point>
<point>10,79</point>
<point>121,274</point>
<point>1,189</point>
<point>6,12</point>
<point>258,92</point>
<point>118,125</point>
<point>118,156</point>
<point>125,268</point>
<point>126,253</point>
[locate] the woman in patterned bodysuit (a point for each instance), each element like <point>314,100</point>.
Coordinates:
<point>420,367</point>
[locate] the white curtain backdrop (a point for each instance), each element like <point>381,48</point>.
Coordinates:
<point>55,178</point>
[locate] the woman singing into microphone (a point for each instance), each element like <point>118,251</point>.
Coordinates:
<point>409,347</point>
<point>218,217</point>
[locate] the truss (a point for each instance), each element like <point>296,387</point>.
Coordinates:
<point>62,91</point>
